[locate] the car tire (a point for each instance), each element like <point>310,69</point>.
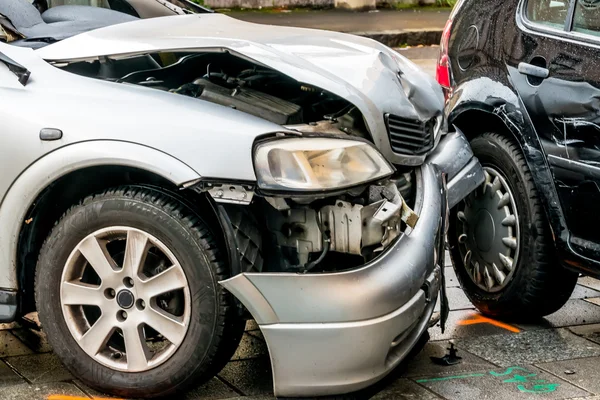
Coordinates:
<point>200,329</point>
<point>525,281</point>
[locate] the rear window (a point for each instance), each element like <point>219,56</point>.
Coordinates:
<point>548,12</point>
<point>587,17</point>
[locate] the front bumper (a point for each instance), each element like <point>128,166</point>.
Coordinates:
<point>336,333</point>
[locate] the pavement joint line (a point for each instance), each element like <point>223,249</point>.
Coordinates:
<point>566,380</point>
<point>83,388</point>
<point>437,395</point>
<point>447,378</point>
<point>17,372</point>
<point>229,385</point>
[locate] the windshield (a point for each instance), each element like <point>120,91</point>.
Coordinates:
<point>185,6</point>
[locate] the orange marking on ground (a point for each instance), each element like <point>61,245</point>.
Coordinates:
<point>480,319</point>
<point>66,397</point>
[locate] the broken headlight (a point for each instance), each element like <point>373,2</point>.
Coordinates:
<point>316,164</point>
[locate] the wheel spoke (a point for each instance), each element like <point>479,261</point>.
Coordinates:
<point>135,252</point>
<point>97,336</point>
<point>504,200</point>
<point>166,325</point>
<point>171,279</point>
<point>97,257</point>
<point>499,275</point>
<point>496,185</point>
<point>510,242</point>
<point>489,282</point>
<point>510,220</point>
<point>81,294</point>
<point>135,348</point>
<point>506,261</point>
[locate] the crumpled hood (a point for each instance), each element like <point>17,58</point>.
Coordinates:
<point>370,75</point>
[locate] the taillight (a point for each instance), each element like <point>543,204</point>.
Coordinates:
<point>442,72</point>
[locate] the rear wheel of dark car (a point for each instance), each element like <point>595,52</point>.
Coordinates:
<point>127,291</point>
<point>500,241</point>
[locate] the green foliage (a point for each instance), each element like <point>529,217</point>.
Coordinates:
<point>446,3</point>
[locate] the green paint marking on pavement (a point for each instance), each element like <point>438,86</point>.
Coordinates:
<point>447,378</point>
<point>536,385</point>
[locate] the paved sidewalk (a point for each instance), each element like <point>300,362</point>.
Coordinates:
<point>393,28</point>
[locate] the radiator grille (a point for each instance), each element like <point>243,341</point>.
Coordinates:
<point>408,136</point>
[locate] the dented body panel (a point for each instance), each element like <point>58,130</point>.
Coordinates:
<point>556,120</point>
<point>368,74</point>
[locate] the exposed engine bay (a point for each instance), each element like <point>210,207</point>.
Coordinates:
<point>231,81</point>
<point>322,232</point>
<point>318,234</point>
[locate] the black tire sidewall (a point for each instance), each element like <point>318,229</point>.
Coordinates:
<point>495,154</point>
<point>181,239</point>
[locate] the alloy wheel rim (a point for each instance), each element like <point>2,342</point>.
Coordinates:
<point>125,299</point>
<point>489,233</point>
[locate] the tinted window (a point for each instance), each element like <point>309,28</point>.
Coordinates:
<point>587,17</point>
<point>548,12</point>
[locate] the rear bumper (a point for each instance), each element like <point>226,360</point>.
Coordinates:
<point>335,333</point>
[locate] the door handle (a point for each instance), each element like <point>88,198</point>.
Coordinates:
<point>533,70</point>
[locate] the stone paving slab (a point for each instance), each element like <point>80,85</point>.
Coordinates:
<point>251,377</point>
<point>583,372</point>
<point>589,282</point>
<point>212,390</point>
<point>513,383</point>
<point>457,299</point>
<point>8,377</point>
<point>584,292</point>
<point>10,345</point>
<point>40,368</point>
<point>590,332</point>
<point>575,312</point>
<point>250,347</point>
<point>530,347</point>
<point>405,389</point>
<point>451,279</point>
<point>50,391</point>
<point>421,364</point>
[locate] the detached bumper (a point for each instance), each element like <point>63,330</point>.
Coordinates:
<point>336,333</point>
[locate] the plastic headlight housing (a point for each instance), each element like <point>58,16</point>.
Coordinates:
<point>317,164</point>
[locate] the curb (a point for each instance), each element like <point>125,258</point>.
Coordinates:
<point>400,38</point>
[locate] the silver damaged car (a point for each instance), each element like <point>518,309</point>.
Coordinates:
<point>164,180</point>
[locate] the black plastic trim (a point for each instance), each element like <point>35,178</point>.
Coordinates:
<point>8,305</point>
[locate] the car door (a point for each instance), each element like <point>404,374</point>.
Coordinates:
<point>558,79</point>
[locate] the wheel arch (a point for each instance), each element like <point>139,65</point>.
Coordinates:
<point>54,183</point>
<point>511,119</point>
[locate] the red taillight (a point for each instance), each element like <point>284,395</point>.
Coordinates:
<point>442,72</point>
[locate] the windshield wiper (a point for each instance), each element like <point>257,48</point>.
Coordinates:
<point>20,71</point>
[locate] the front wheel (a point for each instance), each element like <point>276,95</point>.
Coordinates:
<point>127,291</point>
<point>500,241</point>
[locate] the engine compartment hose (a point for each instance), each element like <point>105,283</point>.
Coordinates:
<point>312,264</point>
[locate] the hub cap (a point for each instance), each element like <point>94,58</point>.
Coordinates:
<point>488,233</point>
<point>125,299</point>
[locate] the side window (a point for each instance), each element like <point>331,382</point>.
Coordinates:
<point>548,12</point>
<point>587,17</point>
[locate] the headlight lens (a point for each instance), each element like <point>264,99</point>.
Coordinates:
<point>309,164</point>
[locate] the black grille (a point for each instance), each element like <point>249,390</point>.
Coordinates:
<point>409,136</point>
